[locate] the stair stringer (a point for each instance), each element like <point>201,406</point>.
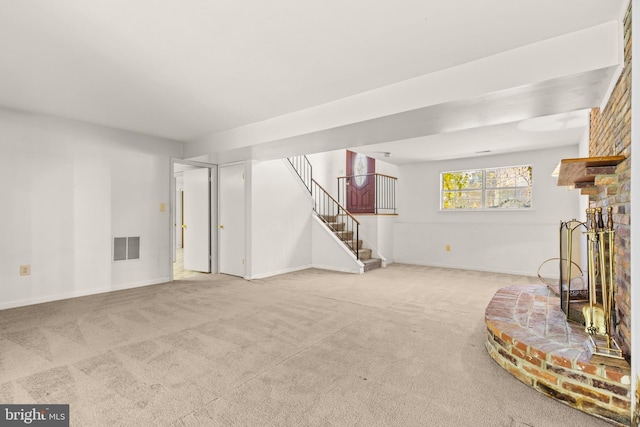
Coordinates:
<point>328,252</point>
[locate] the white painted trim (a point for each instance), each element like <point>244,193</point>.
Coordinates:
<point>248,216</point>
<point>458,267</point>
<point>341,270</point>
<point>76,294</point>
<point>279,272</point>
<point>213,211</point>
<point>383,261</point>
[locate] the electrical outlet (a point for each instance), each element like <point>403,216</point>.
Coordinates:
<point>25,270</point>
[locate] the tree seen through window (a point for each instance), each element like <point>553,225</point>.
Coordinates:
<point>496,188</point>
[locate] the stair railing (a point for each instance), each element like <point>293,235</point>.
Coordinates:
<point>302,166</point>
<point>345,226</point>
<point>385,191</point>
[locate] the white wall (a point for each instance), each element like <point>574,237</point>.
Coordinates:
<point>327,167</point>
<point>386,168</point>
<point>510,242</point>
<point>68,189</point>
<point>280,220</point>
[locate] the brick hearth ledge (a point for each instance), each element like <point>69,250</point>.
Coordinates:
<point>528,335</point>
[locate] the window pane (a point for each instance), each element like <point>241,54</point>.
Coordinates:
<point>503,188</point>
<point>524,196</point>
<point>509,199</point>
<point>454,181</point>
<point>523,176</point>
<point>491,178</point>
<point>449,199</point>
<point>475,179</point>
<point>499,198</point>
<point>469,200</point>
<point>462,180</point>
<point>492,198</point>
<point>474,199</point>
<point>505,177</point>
<point>462,200</point>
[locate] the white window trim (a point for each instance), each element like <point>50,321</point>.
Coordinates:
<point>483,190</point>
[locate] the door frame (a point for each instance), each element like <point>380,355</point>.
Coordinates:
<point>247,208</point>
<point>213,211</point>
<point>355,192</point>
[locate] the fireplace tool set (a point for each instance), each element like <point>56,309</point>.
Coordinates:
<point>598,314</point>
<point>573,288</point>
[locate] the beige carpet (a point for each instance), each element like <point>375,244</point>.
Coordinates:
<point>401,346</point>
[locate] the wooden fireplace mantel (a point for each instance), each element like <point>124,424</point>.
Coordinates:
<point>581,172</point>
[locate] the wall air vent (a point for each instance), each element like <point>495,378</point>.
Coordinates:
<point>126,248</point>
<point>119,248</point>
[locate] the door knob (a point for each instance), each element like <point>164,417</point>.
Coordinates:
<point>221,226</point>
<point>184,225</point>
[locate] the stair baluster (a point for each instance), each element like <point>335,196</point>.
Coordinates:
<point>327,208</point>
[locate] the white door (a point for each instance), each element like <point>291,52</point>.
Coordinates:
<point>196,220</point>
<point>231,228</point>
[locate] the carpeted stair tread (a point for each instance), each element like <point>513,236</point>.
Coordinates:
<point>364,254</point>
<point>371,264</point>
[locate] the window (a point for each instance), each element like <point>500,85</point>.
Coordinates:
<point>488,189</point>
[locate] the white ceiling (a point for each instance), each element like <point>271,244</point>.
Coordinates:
<point>538,133</point>
<point>186,69</point>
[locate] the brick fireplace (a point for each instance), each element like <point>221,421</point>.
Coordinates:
<point>610,135</point>
<point>529,336</point>
<point>528,333</point>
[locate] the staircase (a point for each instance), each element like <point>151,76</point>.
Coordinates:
<point>335,217</point>
<point>334,222</point>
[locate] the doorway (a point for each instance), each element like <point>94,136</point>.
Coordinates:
<point>193,213</point>
<point>361,183</point>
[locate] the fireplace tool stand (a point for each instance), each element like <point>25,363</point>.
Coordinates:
<point>600,250</point>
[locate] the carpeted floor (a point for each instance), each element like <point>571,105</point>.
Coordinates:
<point>401,346</point>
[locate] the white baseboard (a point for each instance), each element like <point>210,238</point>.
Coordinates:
<point>278,272</point>
<point>470,268</point>
<point>83,293</point>
<point>339,269</point>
